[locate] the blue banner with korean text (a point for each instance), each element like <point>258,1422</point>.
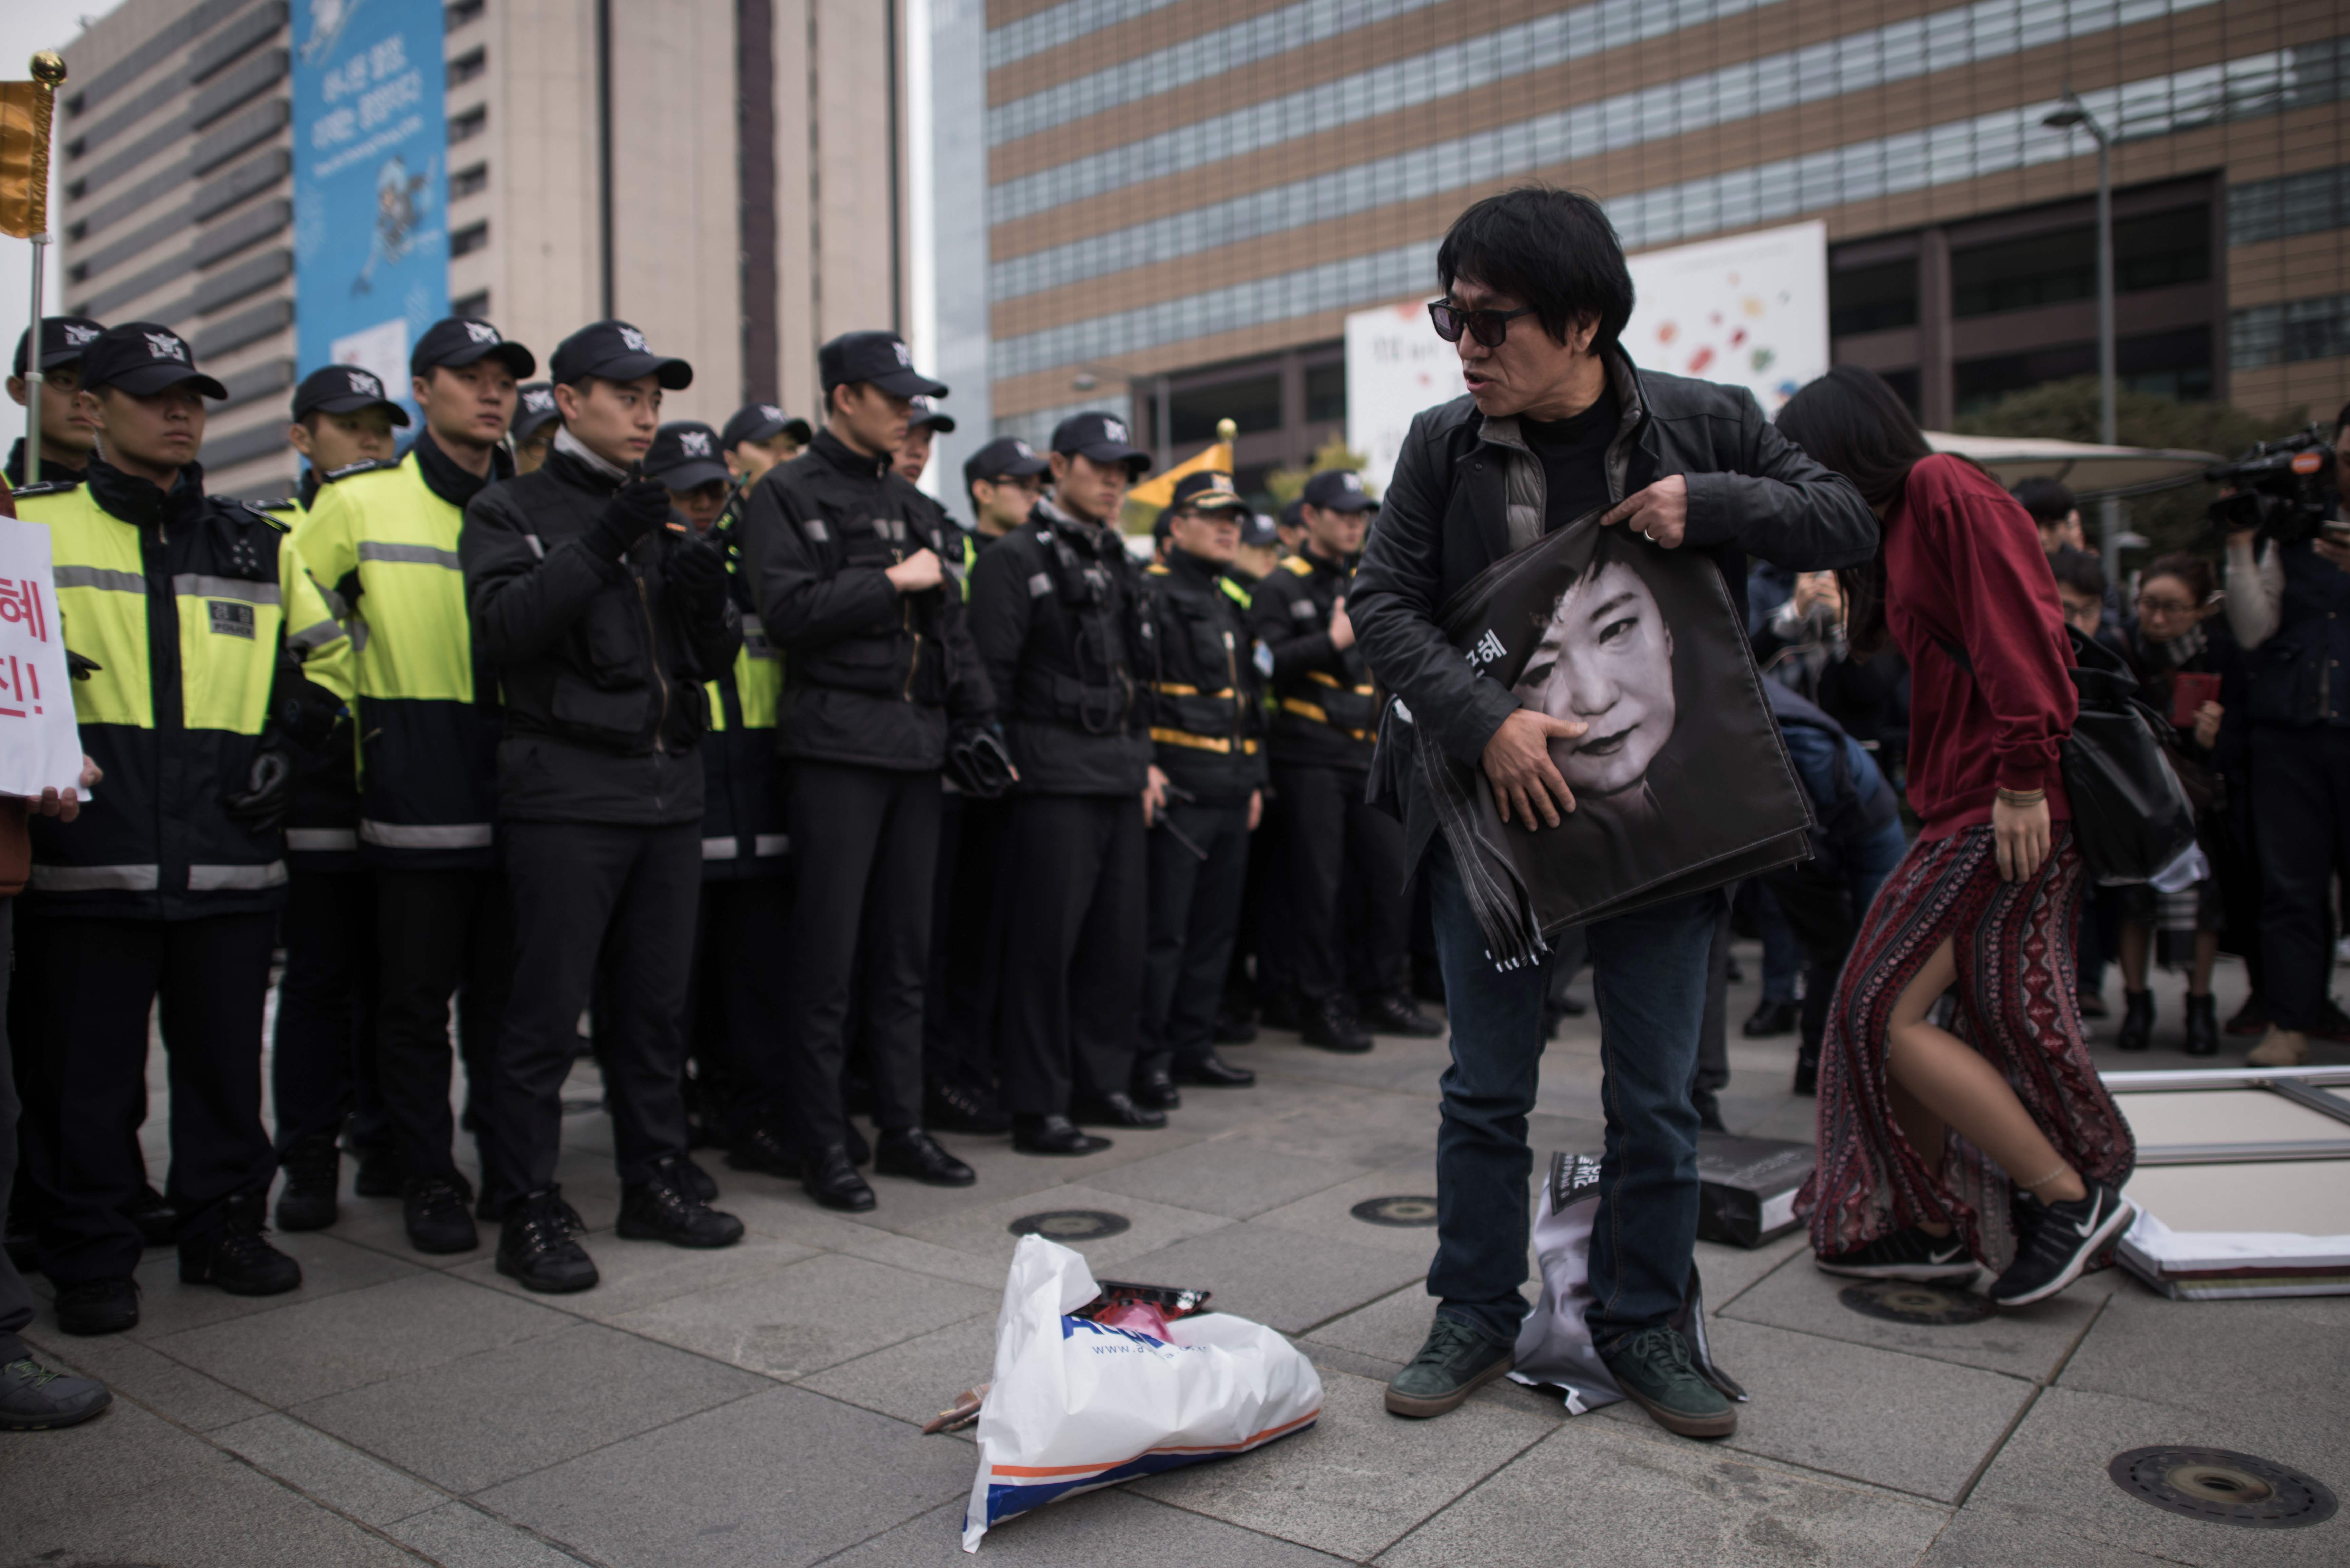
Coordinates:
<point>370,183</point>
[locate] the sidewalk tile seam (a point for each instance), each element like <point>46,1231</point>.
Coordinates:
<point>313,1499</point>
<point>1649,1432</point>
<point>514,1526</point>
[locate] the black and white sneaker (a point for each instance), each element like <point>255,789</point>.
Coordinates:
<point>2057,1242</point>
<point>1910,1254</point>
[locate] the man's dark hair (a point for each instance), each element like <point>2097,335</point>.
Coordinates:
<point>1553,250</point>
<point>2079,571</point>
<point>2049,501</point>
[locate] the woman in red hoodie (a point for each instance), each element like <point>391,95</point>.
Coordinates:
<point>1988,1137</point>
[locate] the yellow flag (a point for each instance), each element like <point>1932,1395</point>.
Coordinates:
<point>24,109</point>
<point>1159,490</point>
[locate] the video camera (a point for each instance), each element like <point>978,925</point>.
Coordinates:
<point>2283,488</point>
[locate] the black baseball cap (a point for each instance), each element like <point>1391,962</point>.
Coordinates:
<point>459,340</point>
<point>534,409</point>
<point>880,358</point>
<point>1206,491</point>
<point>1005,457</point>
<point>926,412</point>
<point>685,454</point>
<point>1257,532</point>
<point>762,421</point>
<point>1294,514</point>
<point>143,357</point>
<point>343,390</point>
<point>1339,490</point>
<point>1098,438</point>
<point>63,339</point>
<point>615,351</point>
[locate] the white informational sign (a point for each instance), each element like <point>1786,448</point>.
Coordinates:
<point>1749,312</point>
<point>39,747</point>
<point>1396,366</point>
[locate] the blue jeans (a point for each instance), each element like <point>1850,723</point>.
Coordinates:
<point>1648,971</point>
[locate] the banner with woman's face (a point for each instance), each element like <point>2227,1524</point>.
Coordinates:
<point>1680,779</point>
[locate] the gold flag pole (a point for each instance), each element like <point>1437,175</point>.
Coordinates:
<point>48,70</point>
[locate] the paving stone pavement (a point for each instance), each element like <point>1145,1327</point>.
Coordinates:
<point>761,1405</point>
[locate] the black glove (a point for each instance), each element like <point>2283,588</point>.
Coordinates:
<point>268,793</point>
<point>642,506</point>
<point>698,575</point>
<point>977,762</point>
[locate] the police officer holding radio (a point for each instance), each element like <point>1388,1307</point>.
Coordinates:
<point>849,562</point>
<point>602,620</point>
<point>1055,609</point>
<point>1205,715</point>
<point>1326,715</point>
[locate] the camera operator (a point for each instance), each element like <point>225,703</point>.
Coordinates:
<point>2289,606</point>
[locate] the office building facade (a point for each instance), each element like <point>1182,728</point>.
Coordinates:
<point>727,174</point>
<point>1183,202</point>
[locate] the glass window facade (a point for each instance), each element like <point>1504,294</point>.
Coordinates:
<point>2289,333</point>
<point>2249,86</point>
<point>1192,60</point>
<point>2157,250</point>
<point>1057,24</point>
<point>2306,203</point>
<point>1991,30</point>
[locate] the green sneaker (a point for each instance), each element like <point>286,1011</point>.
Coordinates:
<point>1453,1363</point>
<point>1653,1369</point>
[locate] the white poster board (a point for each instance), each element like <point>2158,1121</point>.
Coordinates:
<point>39,746</point>
<point>1749,312</point>
<point>1396,366</point>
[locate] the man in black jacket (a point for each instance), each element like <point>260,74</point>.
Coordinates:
<point>850,564</point>
<point>1324,717</point>
<point>1556,423</point>
<point>601,622</point>
<point>1053,608</point>
<point>1205,714</point>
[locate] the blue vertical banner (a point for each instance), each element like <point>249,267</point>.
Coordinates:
<point>370,183</point>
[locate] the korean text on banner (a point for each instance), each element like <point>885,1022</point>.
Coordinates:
<point>370,183</point>
<point>39,747</point>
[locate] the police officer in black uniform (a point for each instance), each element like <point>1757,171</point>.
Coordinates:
<point>1002,481</point>
<point>1205,722</point>
<point>536,420</point>
<point>68,436</point>
<point>1325,718</point>
<point>850,564</point>
<point>602,622</point>
<point>1055,609</point>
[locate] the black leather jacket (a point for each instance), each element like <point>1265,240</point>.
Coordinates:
<point>1324,711</point>
<point>1446,516</point>
<point>871,675</point>
<point>601,664</point>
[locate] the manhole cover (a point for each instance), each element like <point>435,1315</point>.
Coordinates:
<point>1072,1224</point>
<point>1905,1301</point>
<point>1396,1210</point>
<point>2223,1487</point>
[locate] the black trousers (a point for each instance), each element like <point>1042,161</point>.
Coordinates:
<point>959,999</point>
<point>322,1065</point>
<point>738,1007</point>
<point>866,841</point>
<point>1338,840</point>
<point>1193,917</point>
<point>15,1296</point>
<point>1072,913</point>
<point>576,887</point>
<point>1265,922</point>
<point>84,990</point>
<point>439,933</point>
<point>2301,801</point>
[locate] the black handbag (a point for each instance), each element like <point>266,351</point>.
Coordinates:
<point>2131,816</point>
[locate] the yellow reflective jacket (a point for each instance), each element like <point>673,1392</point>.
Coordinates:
<point>206,633</point>
<point>385,546</point>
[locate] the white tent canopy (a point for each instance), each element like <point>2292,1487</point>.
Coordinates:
<point>2091,471</point>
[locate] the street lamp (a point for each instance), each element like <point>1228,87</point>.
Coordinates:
<point>2069,113</point>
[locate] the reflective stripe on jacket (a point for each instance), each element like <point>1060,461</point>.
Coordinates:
<point>202,629</point>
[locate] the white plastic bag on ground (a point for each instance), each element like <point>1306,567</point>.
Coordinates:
<point>1076,1405</point>
<point>1555,1349</point>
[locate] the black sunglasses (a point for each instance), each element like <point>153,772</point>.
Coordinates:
<point>1487,326</point>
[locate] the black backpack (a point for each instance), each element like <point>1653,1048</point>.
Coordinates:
<point>2130,814</point>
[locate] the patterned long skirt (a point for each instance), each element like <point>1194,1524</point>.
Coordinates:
<point>2014,1001</point>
